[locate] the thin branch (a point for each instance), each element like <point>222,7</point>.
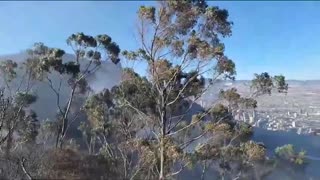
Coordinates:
<point>200,119</point>
<point>21,82</point>
<point>177,172</point>
<point>191,124</point>
<point>186,144</point>
<point>136,109</point>
<point>24,168</point>
<point>72,121</point>
<point>57,93</point>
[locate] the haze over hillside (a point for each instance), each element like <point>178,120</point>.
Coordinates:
<point>109,75</point>
<point>159,90</point>
<point>106,76</point>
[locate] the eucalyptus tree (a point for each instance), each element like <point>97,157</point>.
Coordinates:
<point>264,84</point>
<point>16,117</point>
<point>180,43</point>
<point>89,52</point>
<point>18,123</point>
<point>146,127</point>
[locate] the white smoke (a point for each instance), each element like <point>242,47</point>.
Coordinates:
<point>107,76</point>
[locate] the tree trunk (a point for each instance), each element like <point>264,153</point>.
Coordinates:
<point>9,142</point>
<point>62,133</point>
<point>162,145</point>
<point>163,114</point>
<point>204,169</point>
<point>161,176</point>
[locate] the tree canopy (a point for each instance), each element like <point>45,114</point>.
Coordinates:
<point>146,127</point>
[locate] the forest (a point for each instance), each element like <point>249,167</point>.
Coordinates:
<point>144,126</point>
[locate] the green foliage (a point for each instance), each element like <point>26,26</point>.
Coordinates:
<point>281,84</point>
<point>147,13</point>
<point>219,112</point>
<point>206,152</point>
<point>231,96</point>
<point>236,101</point>
<point>248,103</point>
<point>97,109</point>
<point>262,84</point>
<point>29,129</point>
<point>8,69</point>
<point>301,158</point>
<point>219,128</point>
<point>44,59</point>
<point>246,129</point>
<point>89,45</point>
<point>16,118</point>
<point>140,54</point>
<point>189,30</point>
<point>82,40</point>
<point>25,98</point>
<point>180,44</point>
<point>244,153</point>
<point>135,90</point>
<point>227,67</point>
<point>288,153</point>
<point>195,84</point>
<point>253,151</point>
<point>72,68</point>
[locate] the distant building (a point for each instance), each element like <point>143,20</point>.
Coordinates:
<point>251,120</point>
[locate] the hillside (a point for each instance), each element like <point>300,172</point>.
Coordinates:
<point>106,77</point>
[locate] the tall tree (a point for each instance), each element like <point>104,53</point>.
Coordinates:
<point>15,98</point>
<point>89,52</point>
<point>180,42</point>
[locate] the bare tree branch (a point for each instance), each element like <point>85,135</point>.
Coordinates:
<point>24,168</point>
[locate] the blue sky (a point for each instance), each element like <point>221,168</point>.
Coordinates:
<point>277,37</point>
